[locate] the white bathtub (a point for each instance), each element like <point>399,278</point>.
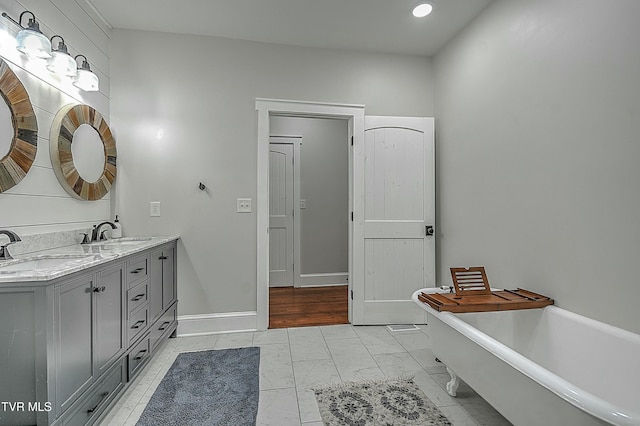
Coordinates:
<point>541,366</point>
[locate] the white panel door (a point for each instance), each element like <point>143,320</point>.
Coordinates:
<point>399,205</point>
<point>280,215</point>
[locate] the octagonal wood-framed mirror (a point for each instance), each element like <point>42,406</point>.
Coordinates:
<point>85,168</point>
<point>19,140</point>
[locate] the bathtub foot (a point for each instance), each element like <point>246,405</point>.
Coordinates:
<point>452,385</point>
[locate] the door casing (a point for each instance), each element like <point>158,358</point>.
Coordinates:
<point>273,107</point>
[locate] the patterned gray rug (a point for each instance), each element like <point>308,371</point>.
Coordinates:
<point>388,402</point>
<point>207,388</point>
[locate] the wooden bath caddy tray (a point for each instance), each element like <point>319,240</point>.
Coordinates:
<point>473,294</point>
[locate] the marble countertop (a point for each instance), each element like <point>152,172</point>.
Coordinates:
<point>49,264</point>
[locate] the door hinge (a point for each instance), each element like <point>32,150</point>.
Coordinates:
<point>351,216</point>
<point>351,140</point>
<point>351,294</point>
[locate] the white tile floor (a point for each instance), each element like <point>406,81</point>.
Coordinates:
<point>295,359</point>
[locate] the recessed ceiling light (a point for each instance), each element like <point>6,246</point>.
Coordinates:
<point>422,9</point>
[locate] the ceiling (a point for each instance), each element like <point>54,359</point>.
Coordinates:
<point>366,25</point>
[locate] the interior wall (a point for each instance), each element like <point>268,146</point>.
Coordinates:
<point>324,185</point>
<point>183,112</point>
<point>538,117</point>
<point>39,203</point>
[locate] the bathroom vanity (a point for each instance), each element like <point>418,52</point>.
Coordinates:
<point>77,324</point>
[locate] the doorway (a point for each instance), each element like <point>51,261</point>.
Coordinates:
<point>381,246</point>
<point>308,202</point>
<point>308,221</point>
<point>354,115</point>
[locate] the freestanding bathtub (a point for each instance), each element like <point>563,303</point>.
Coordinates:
<point>543,366</point>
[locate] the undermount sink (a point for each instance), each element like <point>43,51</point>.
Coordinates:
<point>126,241</point>
<point>41,263</point>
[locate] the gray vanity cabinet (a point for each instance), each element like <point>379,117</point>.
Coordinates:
<point>67,351</point>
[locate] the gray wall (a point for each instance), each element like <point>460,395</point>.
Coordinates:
<point>537,123</point>
<point>324,185</point>
<point>183,111</point>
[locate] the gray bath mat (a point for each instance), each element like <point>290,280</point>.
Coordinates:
<point>207,388</point>
<point>397,402</point>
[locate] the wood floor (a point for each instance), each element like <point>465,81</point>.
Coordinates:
<point>302,307</point>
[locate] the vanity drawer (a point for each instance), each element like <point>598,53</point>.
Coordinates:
<point>100,396</point>
<point>137,270</point>
<point>138,355</point>
<point>137,324</point>
<point>163,325</point>
<point>137,296</point>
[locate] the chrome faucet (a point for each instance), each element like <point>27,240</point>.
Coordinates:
<point>13,238</point>
<point>96,235</point>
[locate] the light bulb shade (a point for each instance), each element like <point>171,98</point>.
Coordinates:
<point>86,80</point>
<point>33,44</point>
<point>62,64</point>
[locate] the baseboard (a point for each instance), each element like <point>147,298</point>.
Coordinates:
<point>230,322</point>
<point>317,280</point>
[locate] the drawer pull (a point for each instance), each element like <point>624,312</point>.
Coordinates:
<point>138,324</point>
<point>138,297</point>
<point>137,270</point>
<point>140,355</point>
<point>99,289</point>
<point>163,258</point>
<point>164,325</point>
<point>103,396</point>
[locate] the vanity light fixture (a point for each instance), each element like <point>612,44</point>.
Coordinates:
<point>61,62</point>
<point>85,79</point>
<point>30,39</point>
<point>422,9</point>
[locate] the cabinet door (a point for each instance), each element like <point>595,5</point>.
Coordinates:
<point>109,294</point>
<point>155,287</point>
<point>74,332</point>
<point>18,354</point>
<point>168,277</point>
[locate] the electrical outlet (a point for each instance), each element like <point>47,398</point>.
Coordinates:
<point>303,203</point>
<point>244,205</point>
<point>154,209</point>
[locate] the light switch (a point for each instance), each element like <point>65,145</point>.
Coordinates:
<point>303,204</point>
<point>244,205</point>
<point>154,209</point>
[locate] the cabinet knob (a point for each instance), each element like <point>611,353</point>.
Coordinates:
<point>99,289</point>
<point>162,257</point>
<point>137,270</point>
